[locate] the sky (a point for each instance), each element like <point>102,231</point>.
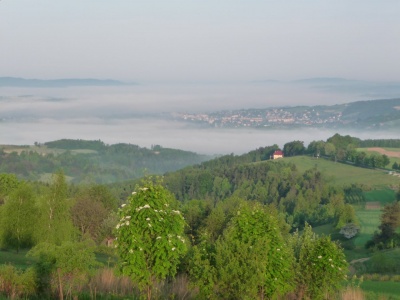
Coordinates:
<point>200,40</point>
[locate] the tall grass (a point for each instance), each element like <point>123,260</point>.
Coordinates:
<point>352,294</point>
<point>106,282</point>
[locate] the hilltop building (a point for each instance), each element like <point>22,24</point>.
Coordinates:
<point>277,154</point>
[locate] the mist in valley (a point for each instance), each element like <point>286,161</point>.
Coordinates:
<point>140,113</point>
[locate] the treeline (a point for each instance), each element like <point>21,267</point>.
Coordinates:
<point>94,161</point>
<point>102,164</point>
<point>70,144</point>
<point>62,226</point>
<point>386,143</point>
<point>344,148</point>
<point>300,197</point>
<point>209,250</point>
<point>35,212</point>
<point>244,249</point>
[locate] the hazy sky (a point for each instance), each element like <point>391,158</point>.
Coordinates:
<point>200,40</point>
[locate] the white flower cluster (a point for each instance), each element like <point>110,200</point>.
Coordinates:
<point>142,207</point>
<point>123,221</point>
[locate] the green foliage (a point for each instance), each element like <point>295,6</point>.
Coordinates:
<point>340,174</point>
<point>93,161</point>
<point>390,221</point>
<point>18,218</point>
<point>150,238</point>
<point>385,143</point>
<point>195,212</point>
<point>345,215</point>
<point>93,205</point>
<point>316,148</point>
<point>382,263</point>
<point>251,257</point>
<point>398,194</point>
<point>63,269</point>
<point>76,144</point>
<point>294,148</point>
<point>342,142</point>
<point>15,283</point>
<point>54,224</point>
<point>354,194</point>
<point>8,182</point>
<point>320,264</point>
<point>380,290</point>
<point>88,215</point>
<point>201,267</point>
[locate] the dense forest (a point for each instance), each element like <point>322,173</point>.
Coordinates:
<point>92,161</point>
<point>232,227</point>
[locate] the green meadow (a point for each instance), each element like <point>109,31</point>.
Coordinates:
<point>343,174</point>
<point>381,290</point>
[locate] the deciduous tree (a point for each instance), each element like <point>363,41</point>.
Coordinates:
<point>18,218</point>
<point>55,224</point>
<point>252,258</point>
<point>320,265</point>
<point>150,239</point>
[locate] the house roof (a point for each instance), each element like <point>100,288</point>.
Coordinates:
<point>278,152</point>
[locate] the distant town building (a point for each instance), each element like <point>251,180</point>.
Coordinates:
<point>277,154</point>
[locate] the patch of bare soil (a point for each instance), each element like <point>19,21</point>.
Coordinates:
<point>372,206</point>
<point>383,151</point>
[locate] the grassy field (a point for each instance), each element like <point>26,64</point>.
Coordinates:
<point>342,174</point>
<point>19,260</point>
<point>378,289</point>
<point>369,219</point>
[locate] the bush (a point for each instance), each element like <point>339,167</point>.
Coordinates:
<point>381,263</point>
<point>348,245</point>
<point>15,283</point>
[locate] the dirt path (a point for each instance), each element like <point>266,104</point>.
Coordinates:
<point>360,260</point>
<point>383,151</point>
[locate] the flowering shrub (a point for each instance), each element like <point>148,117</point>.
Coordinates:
<point>150,239</point>
<point>320,264</point>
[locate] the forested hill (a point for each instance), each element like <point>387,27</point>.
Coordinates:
<point>305,196</point>
<point>299,192</point>
<point>93,161</point>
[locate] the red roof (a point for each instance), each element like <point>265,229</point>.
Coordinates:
<point>278,152</point>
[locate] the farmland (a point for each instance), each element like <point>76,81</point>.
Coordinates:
<point>342,174</point>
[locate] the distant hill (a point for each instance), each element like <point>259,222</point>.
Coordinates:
<point>93,161</point>
<point>53,83</point>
